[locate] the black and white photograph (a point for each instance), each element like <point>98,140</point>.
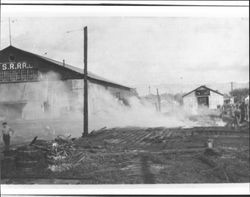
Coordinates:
<point>122,95</point>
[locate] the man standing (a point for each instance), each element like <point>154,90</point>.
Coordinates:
<point>242,111</point>
<point>247,110</point>
<point>7,132</point>
<point>237,116</point>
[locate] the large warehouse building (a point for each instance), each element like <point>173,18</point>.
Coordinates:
<point>31,85</point>
<point>203,97</point>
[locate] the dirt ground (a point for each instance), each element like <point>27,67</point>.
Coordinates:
<point>148,155</point>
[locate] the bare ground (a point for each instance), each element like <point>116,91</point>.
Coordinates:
<point>150,155</point>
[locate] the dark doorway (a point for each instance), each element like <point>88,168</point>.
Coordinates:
<point>11,110</point>
<point>203,101</point>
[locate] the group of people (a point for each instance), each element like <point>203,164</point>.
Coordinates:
<point>236,114</point>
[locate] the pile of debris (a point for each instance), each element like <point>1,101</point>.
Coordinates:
<point>40,156</point>
<point>60,153</point>
<point>156,139</point>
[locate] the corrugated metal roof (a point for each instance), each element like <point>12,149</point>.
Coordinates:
<point>73,68</point>
<point>203,87</point>
<point>76,69</point>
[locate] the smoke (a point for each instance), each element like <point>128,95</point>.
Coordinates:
<point>45,99</point>
<point>53,106</point>
<point>108,111</point>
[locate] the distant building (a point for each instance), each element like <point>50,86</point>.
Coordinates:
<point>33,86</point>
<point>247,99</point>
<point>228,99</point>
<point>247,106</point>
<point>203,97</point>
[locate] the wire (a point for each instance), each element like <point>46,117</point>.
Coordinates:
<point>73,31</point>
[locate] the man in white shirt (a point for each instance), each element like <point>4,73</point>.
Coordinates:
<point>7,132</point>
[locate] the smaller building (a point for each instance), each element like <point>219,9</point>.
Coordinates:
<point>229,100</point>
<point>247,107</point>
<point>247,100</point>
<point>203,97</point>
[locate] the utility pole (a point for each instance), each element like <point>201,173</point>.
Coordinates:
<point>85,78</point>
<point>232,86</point>
<point>9,31</point>
<point>159,100</point>
<point>0,35</point>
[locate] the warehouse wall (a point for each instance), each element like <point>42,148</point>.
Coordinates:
<point>43,99</point>
<point>120,93</point>
<point>215,100</point>
<point>50,99</point>
<point>190,101</point>
<point>29,93</point>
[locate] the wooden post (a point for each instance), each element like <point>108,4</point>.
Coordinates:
<point>159,100</point>
<point>85,78</point>
<point>156,106</point>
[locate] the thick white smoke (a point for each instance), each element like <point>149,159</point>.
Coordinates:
<point>108,111</point>
<point>52,106</point>
<point>45,99</point>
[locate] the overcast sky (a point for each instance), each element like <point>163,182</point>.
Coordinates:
<point>136,50</point>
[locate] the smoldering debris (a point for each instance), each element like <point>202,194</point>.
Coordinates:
<point>100,159</point>
<point>57,155</point>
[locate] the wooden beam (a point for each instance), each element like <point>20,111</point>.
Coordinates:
<point>159,100</point>
<point>85,105</point>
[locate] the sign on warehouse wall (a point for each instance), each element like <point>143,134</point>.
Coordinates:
<point>15,66</point>
<point>202,92</point>
<point>17,72</point>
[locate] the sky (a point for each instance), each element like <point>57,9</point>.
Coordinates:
<point>137,51</point>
